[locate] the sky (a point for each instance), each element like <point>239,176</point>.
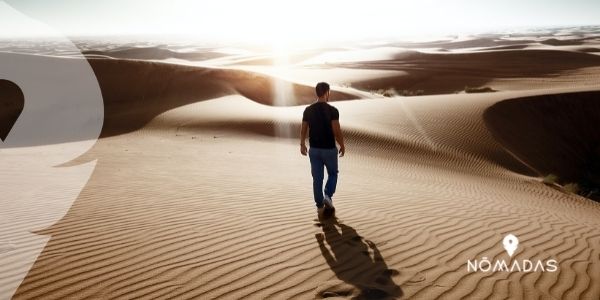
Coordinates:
<point>298,21</point>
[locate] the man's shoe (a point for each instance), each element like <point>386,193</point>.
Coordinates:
<point>327,201</point>
<point>320,210</point>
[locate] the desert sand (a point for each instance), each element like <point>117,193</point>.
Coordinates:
<point>200,192</point>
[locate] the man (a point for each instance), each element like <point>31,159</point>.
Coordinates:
<point>322,122</point>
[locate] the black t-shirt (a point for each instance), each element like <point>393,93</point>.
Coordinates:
<point>319,116</point>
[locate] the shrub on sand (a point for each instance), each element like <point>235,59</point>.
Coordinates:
<point>412,93</point>
<point>391,92</point>
<point>550,179</point>
<point>572,188</point>
<point>483,89</point>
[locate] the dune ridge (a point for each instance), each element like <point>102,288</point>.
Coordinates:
<point>156,52</point>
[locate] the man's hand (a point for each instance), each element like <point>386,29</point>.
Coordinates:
<point>339,137</point>
<point>303,132</point>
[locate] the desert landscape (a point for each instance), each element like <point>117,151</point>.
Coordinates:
<point>199,190</point>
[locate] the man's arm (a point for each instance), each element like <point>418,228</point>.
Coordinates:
<point>337,132</point>
<point>303,132</point>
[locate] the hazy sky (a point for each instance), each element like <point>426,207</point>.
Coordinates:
<point>302,20</point>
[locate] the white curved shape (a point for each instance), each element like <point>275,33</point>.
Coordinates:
<point>61,119</point>
<point>510,243</point>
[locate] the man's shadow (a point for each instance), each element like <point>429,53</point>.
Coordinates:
<point>357,262</point>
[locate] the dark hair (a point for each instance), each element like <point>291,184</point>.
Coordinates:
<point>322,88</point>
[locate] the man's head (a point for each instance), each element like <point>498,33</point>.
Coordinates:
<point>322,89</point>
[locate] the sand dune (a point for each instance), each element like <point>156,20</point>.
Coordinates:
<point>429,73</point>
<point>200,190</point>
<point>162,87</point>
<point>156,52</point>
<point>214,230</point>
<point>589,49</point>
<point>159,87</point>
<point>557,42</point>
<point>476,42</point>
<point>134,92</point>
<point>564,144</point>
<point>505,39</point>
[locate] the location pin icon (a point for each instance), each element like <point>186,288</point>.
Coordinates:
<point>510,243</point>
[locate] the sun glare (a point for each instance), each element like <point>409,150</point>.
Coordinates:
<point>282,89</point>
<point>300,22</point>
<point>308,23</point>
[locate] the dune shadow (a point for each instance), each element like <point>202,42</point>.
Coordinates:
<point>357,262</point>
<point>561,137</point>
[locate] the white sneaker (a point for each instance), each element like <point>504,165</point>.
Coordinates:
<point>327,201</point>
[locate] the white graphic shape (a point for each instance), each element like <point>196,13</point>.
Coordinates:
<point>510,243</point>
<point>61,119</point>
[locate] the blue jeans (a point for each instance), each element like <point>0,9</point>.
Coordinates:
<point>320,159</point>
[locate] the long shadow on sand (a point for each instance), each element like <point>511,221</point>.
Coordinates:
<point>355,261</point>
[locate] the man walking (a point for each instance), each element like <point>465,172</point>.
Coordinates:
<point>321,120</point>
